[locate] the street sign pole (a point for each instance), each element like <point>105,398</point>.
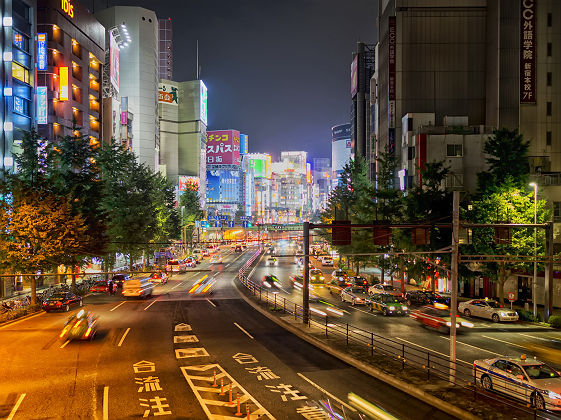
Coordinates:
<point>306,289</point>
<point>454,281</point>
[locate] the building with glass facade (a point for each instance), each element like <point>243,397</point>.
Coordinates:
<point>165,49</point>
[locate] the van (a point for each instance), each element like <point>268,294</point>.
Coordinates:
<point>140,288</point>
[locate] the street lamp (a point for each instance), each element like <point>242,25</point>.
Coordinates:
<point>534,283</point>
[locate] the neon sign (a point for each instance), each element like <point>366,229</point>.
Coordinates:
<point>67,7</point>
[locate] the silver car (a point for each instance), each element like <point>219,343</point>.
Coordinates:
<point>354,295</point>
<point>487,308</point>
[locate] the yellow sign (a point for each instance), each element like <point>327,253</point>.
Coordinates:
<point>67,7</point>
<point>63,83</point>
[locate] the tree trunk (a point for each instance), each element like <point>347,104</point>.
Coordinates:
<point>73,271</point>
<point>130,261</point>
<point>402,274</point>
<point>33,290</point>
<point>382,274</point>
<point>501,283</point>
<point>358,268</point>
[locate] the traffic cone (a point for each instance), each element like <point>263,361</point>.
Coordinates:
<point>230,402</point>
<point>247,410</point>
<point>221,386</point>
<point>238,413</point>
<point>214,374</point>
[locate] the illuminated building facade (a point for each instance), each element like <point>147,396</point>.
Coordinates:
<point>165,49</point>
<point>70,56</point>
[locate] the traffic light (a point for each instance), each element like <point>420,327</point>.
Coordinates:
<point>341,232</point>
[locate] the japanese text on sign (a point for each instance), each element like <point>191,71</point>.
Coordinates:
<point>528,51</point>
<point>223,147</point>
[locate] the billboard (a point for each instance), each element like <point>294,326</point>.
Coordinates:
<point>223,147</point>
<point>308,173</point>
<point>41,105</point>
<point>244,149</point>
<point>258,167</point>
<point>42,51</point>
<point>354,76</point>
<point>63,83</point>
<point>204,104</point>
<point>342,131</point>
<point>188,183</point>
<point>340,154</point>
<point>113,62</point>
<point>528,51</point>
<point>223,186</point>
<point>168,94</point>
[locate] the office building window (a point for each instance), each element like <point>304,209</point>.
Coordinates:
<point>549,49</point>
<point>549,78</point>
<point>454,150</point>
<point>549,20</point>
<point>548,138</point>
<point>548,109</point>
<point>557,211</point>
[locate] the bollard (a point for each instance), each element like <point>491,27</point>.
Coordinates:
<point>238,413</point>
<point>247,410</point>
<point>222,387</point>
<point>230,402</point>
<point>214,374</point>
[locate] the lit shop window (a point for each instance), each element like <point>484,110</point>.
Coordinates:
<point>19,72</point>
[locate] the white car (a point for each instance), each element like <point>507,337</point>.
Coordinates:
<point>487,308</point>
<point>354,295</point>
<point>327,261</point>
<point>271,261</point>
<point>530,381</point>
<point>383,288</point>
<point>216,259</point>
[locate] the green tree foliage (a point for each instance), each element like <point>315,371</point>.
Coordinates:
<point>190,202</point>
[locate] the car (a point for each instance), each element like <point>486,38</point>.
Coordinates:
<point>271,261</point>
<point>119,279</point>
<point>205,252</point>
<point>327,262</point>
<point>299,261</point>
<point>298,284</point>
<point>216,259</point>
<point>355,295</point>
<point>270,280</point>
<point>197,253</point>
<point>190,262</point>
<point>340,275</point>
<point>238,248</point>
<point>383,288</point>
<point>203,286</point>
<point>530,381</point>
<point>438,317</point>
<point>139,288</point>
<point>360,281</point>
<point>388,304</point>
<point>337,285</point>
<point>316,276</point>
<point>425,297</point>
<point>159,277</point>
<point>487,308</point>
<point>177,266</point>
<point>62,301</point>
<point>81,326</point>
<point>103,286</point>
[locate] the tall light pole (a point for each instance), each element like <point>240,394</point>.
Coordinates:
<point>534,282</point>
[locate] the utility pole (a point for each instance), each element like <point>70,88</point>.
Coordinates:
<point>454,280</point>
<point>305,289</point>
<point>548,280</point>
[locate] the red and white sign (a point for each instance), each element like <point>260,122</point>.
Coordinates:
<point>511,297</point>
<point>223,147</point>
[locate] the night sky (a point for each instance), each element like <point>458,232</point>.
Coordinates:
<point>278,71</point>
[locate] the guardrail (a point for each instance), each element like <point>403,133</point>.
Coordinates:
<point>433,365</point>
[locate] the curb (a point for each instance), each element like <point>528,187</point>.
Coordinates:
<point>21,318</point>
<point>370,370</point>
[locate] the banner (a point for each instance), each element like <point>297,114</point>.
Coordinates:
<point>223,147</point>
<point>168,94</point>
<point>528,51</point>
<point>42,52</point>
<point>42,105</point>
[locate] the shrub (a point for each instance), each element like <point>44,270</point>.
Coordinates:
<point>18,313</point>
<point>555,321</point>
<point>528,316</point>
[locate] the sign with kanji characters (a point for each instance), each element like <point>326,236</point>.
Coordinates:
<point>223,147</point>
<point>528,51</point>
<point>144,366</point>
<point>168,94</point>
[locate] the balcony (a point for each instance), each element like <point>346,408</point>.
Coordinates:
<point>551,179</point>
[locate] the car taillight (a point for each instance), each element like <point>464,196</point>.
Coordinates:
<point>58,303</point>
<point>88,332</point>
<point>44,303</point>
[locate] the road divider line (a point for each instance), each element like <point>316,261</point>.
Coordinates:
<point>540,338</point>
<point>503,341</point>
<point>244,331</point>
<point>155,300</point>
<point>475,347</point>
<point>65,344</point>
<point>326,392</point>
<point>105,403</point>
<point>177,285</point>
<point>211,302</point>
<point>16,406</point>
<point>111,310</point>
<point>123,337</point>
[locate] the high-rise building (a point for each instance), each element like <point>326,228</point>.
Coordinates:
<point>139,76</point>
<point>341,150</point>
<point>70,59</point>
<point>165,49</point>
<point>321,176</point>
<point>18,77</point>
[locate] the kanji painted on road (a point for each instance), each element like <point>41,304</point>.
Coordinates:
<point>148,384</point>
<point>158,406</point>
<point>286,390</point>
<point>262,372</point>
<point>144,366</point>
<point>244,359</point>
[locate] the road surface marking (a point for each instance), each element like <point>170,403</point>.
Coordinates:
<point>18,403</point>
<point>503,341</point>
<point>201,377</point>
<point>123,337</point>
<point>244,331</point>
<point>326,393</point>
<point>65,344</point>
<point>475,347</point>
<point>185,339</point>
<point>178,284</point>
<point>209,301</point>
<point>192,352</point>
<point>227,265</point>
<point>150,304</point>
<point>539,338</point>
<point>22,320</point>
<point>111,310</point>
<point>428,349</point>
<point>183,327</point>
<point>105,403</point>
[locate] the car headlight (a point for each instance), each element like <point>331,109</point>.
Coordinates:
<point>554,395</point>
<point>266,283</point>
<point>404,308</point>
<point>503,313</point>
<point>392,308</point>
<point>466,324</point>
<point>322,278</point>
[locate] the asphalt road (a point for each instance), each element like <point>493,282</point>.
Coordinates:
<point>161,357</point>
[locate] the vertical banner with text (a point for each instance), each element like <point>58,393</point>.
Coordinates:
<point>392,41</point>
<point>528,51</point>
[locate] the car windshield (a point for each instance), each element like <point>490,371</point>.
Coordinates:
<point>391,299</point>
<point>315,272</point>
<point>493,304</point>
<point>388,287</point>
<point>58,296</point>
<point>540,371</point>
<point>100,283</point>
<point>356,290</point>
<point>173,262</point>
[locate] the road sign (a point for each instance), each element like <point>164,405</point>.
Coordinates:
<point>511,297</point>
<point>209,217</point>
<point>231,224</point>
<point>223,217</point>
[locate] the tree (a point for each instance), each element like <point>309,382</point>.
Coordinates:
<point>190,205</point>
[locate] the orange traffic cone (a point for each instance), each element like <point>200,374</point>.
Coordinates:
<point>221,386</point>
<point>238,413</point>
<point>214,374</point>
<point>230,402</point>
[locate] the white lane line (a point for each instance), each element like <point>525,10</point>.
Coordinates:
<point>326,393</point>
<point>123,337</point>
<point>65,344</point>
<point>105,403</point>
<point>503,341</point>
<point>539,338</point>
<point>210,301</point>
<point>18,403</point>
<point>22,320</point>
<point>151,304</point>
<point>475,347</point>
<point>177,285</point>
<point>227,265</point>
<point>428,349</point>
<point>111,310</point>
<point>244,331</point>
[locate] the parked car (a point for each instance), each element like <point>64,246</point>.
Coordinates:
<point>62,302</point>
<point>119,279</point>
<point>383,288</point>
<point>487,308</point>
<point>159,277</point>
<point>103,286</point>
<point>355,295</point>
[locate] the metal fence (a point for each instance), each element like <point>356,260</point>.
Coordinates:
<point>431,364</point>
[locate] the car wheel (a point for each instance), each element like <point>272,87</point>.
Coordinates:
<point>538,402</point>
<point>495,318</point>
<point>342,298</point>
<point>67,308</point>
<point>467,312</point>
<point>330,291</point>
<point>385,311</point>
<point>486,382</point>
<point>353,303</point>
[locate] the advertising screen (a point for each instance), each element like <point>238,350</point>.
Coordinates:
<point>204,104</point>
<point>340,154</point>
<point>41,51</point>
<point>244,149</point>
<point>63,83</point>
<point>223,186</point>
<point>258,168</point>
<point>354,76</point>
<point>213,186</point>
<point>41,105</point>
<point>223,147</point>
<point>168,94</point>
<point>188,183</point>
<point>113,62</point>
<point>308,173</point>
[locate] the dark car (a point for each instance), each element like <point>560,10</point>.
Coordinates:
<point>119,279</point>
<point>270,281</point>
<point>360,281</point>
<point>103,286</point>
<point>424,297</point>
<point>238,248</point>
<point>62,302</point>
